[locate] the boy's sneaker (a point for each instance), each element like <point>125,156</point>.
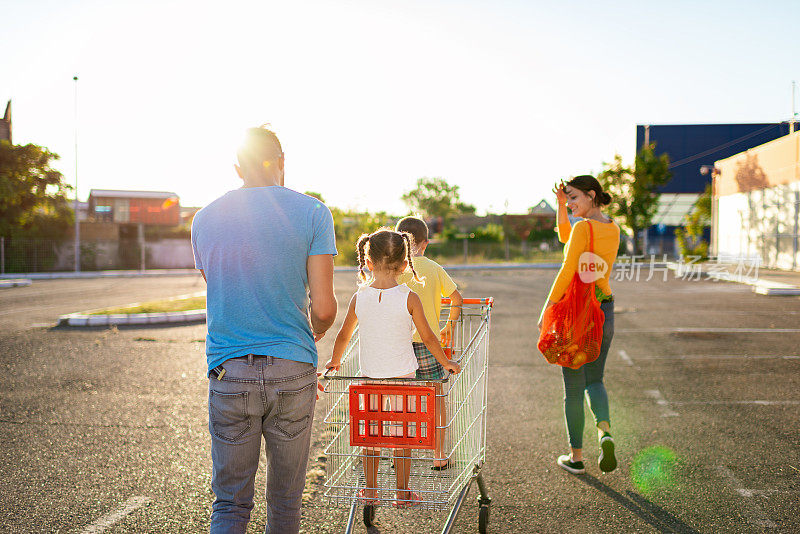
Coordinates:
<point>566,463</point>
<point>607,462</point>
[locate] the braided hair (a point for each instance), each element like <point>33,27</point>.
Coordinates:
<point>386,249</point>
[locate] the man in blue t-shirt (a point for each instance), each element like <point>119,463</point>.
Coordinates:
<point>266,253</point>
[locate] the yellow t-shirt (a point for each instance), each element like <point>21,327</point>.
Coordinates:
<point>606,245</point>
<point>436,283</point>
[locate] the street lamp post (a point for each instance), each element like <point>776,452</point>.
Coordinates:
<point>77,221</point>
<point>794,114</point>
<point>705,170</point>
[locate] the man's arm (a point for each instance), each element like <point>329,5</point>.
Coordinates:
<point>320,286</point>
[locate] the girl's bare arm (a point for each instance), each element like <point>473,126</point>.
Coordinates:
<point>430,339</point>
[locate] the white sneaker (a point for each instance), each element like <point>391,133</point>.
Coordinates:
<point>607,461</point>
<point>566,463</point>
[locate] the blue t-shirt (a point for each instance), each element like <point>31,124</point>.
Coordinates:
<point>253,245</point>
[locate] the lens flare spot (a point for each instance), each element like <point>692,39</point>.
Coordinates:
<point>654,469</point>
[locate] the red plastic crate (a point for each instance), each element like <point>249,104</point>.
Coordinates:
<point>395,417</point>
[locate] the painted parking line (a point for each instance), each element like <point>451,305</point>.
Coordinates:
<point>754,514</point>
<point>710,330</point>
<point>656,395</point>
<point>108,520</point>
<point>625,358</point>
<point>744,402</point>
<point>720,357</point>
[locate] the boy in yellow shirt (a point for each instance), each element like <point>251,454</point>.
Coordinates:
<point>436,283</point>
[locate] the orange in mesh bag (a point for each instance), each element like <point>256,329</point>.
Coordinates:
<point>572,328</point>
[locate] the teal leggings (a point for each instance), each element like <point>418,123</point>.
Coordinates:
<point>588,379</point>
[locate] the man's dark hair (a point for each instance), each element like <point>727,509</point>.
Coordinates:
<point>259,145</point>
<point>414,226</point>
<point>586,183</point>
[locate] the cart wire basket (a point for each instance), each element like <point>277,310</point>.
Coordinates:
<point>391,415</point>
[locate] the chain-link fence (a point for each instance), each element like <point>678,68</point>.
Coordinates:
<point>468,250</point>
<point>43,255</point>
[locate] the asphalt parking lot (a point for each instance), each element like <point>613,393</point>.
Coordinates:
<point>105,430</point>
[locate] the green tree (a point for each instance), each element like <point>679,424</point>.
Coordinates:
<point>434,197</point>
<point>690,237</point>
<point>33,201</point>
<point>634,199</point>
<point>318,196</point>
<point>348,227</point>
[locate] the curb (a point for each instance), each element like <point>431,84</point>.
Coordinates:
<point>500,266</point>
<point>104,274</point>
<point>764,287</point>
<point>15,282</point>
<point>189,272</point>
<point>114,319</point>
<point>761,287</point>
<point>87,318</point>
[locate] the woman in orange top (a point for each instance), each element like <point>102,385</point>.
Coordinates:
<point>584,197</point>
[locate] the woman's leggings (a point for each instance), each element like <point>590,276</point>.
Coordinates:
<point>588,378</point>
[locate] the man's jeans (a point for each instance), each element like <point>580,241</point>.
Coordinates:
<point>260,395</point>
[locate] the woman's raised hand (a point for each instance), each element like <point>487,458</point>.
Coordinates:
<point>561,195</point>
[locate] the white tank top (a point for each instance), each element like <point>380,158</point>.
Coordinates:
<point>384,332</point>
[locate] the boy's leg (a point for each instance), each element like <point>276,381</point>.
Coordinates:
<point>402,462</point>
<point>441,421</point>
<point>371,459</point>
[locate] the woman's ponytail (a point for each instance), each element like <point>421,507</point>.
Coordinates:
<point>586,183</point>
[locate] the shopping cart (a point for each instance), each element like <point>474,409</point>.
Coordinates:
<point>357,415</point>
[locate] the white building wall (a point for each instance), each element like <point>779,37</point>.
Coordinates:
<point>761,224</point>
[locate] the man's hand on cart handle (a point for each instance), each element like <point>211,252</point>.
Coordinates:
<point>332,365</point>
<point>328,370</point>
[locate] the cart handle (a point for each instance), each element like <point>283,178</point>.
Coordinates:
<point>488,301</point>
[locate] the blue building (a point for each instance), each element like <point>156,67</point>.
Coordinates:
<point>691,146</point>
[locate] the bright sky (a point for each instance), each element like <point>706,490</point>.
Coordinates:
<point>499,97</point>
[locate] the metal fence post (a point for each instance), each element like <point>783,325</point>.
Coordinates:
<point>2,255</point>
<point>141,247</point>
<point>508,250</point>
<point>466,250</point>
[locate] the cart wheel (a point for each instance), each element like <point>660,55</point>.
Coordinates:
<point>369,515</point>
<point>483,518</point>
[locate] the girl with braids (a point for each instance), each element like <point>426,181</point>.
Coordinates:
<point>386,313</point>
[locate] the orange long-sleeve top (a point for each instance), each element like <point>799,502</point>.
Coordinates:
<point>606,245</point>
